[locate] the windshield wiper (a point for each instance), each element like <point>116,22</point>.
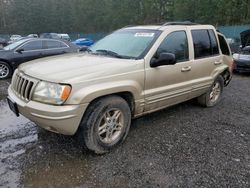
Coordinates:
<point>113,54</point>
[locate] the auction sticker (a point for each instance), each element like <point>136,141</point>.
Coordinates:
<point>144,34</point>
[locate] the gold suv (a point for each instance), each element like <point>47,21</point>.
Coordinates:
<point>129,73</point>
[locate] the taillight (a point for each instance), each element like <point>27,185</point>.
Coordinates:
<point>231,65</point>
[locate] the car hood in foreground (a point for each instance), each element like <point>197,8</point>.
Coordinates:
<point>76,67</point>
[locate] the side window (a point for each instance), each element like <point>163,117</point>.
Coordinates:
<point>214,44</point>
<point>33,45</point>
<point>63,45</point>
<point>177,44</point>
<point>53,44</point>
<point>223,45</point>
<point>202,46</point>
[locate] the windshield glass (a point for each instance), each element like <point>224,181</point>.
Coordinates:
<point>14,45</point>
<point>126,43</point>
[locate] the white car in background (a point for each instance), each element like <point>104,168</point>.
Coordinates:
<point>14,38</point>
<point>33,36</point>
<point>64,36</point>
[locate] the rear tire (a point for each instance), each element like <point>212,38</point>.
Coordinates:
<point>105,124</point>
<point>213,96</point>
<point>5,70</point>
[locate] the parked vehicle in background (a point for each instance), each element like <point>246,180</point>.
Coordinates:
<point>234,44</point>
<point>28,49</point>
<point>242,58</point>
<point>129,73</point>
<point>3,42</point>
<point>50,36</point>
<point>64,37</point>
<point>84,42</point>
<point>33,35</point>
<point>14,38</point>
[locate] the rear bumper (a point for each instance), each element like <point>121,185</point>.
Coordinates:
<point>60,119</point>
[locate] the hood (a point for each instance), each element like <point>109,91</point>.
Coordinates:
<point>245,38</point>
<point>75,67</point>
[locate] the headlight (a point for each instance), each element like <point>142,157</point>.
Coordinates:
<point>51,93</point>
<point>236,56</point>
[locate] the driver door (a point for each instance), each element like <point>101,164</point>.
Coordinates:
<point>30,50</point>
<point>169,84</point>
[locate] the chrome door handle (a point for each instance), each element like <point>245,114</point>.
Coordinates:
<point>218,62</point>
<point>186,69</point>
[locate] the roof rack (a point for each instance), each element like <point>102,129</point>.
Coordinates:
<point>179,23</point>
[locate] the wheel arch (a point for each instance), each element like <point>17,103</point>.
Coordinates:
<point>6,61</point>
<point>227,76</point>
<point>223,71</point>
<point>126,95</point>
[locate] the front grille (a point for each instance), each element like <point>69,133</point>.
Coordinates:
<point>23,86</point>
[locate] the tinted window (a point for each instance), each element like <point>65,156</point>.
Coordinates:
<point>63,45</point>
<point>214,44</point>
<point>33,45</point>
<point>177,44</point>
<point>55,44</point>
<point>223,45</point>
<point>202,46</point>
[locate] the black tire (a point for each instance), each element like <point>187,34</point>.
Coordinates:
<point>94,116</point>
<point>206,100</point>
<point>3,74</point>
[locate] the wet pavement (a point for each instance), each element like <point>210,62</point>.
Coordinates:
<point>182,146</point>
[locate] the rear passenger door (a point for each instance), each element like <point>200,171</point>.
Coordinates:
<point>206,57</point>
<point>54,47</point>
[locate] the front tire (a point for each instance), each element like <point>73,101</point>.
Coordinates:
<point>5,70</point>
<point>213,96</point>
<point>105,124</point>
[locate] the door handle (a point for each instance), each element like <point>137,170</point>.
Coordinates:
<point>218,62</point>
<point>186,69</point>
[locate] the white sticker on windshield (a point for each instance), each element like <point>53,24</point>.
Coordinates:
<point>144,34</point>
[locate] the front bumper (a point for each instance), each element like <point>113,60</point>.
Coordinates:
<point>60,119</point>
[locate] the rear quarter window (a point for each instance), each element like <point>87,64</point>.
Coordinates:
<point>223,46</point>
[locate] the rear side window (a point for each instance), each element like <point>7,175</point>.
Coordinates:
<point>177,44</point>
<point>202,47</point>
<point>223,45</point>
<point>205,43</point>
<point>63,45</point>
<point>55,44</point>
<point>33,45</point>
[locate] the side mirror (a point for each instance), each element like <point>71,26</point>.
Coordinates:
<point>20,50</point>
<point>83,49</point>
<point>163,59</point>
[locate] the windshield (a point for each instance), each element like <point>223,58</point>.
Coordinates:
<point>14,45</point>
<point>126,43</point>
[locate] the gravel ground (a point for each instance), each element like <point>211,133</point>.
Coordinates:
<point>182,146</point>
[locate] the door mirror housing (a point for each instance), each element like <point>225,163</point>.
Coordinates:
<point>20,50</point>
<point>163,59</point>
<point>83,49</point>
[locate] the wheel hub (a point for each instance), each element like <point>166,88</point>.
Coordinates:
<point>4,71</point>
<point>110,126</point>
<point>215,93</point>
